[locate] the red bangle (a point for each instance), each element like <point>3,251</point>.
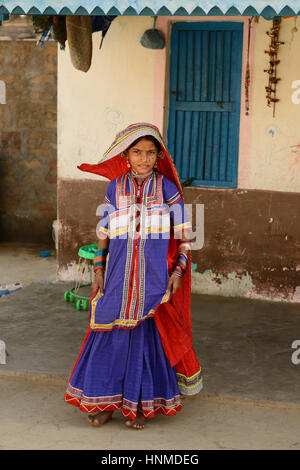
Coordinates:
<point>99,270</point>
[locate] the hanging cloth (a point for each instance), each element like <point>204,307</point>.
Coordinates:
<point>79,33</point>
<point>101,23</point>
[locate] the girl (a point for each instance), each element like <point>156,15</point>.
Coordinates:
<point>137,355</point>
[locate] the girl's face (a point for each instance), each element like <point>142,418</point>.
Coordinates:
<point>142,156</point>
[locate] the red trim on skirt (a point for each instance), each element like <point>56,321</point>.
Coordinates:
<point>127,412</point>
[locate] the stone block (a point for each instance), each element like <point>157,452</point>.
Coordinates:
<point>44,207</point>
<point>29,114</point>
<point>18,193</point>
<point>29,179</point>
<point>9,179</point>
<point>17,59</point>
<point>2,113</point>
<point>53,165</point>
<point>51,59</point>
<point>44,83</point>
<point>13,85</point>
<point>30,164</point>
<point>39,144</point>
<point>51,179</point>
<point>11,143</point>
<point>50,116</point>
<point>8,116</point>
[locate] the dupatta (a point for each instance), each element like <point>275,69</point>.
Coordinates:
<point>173,318</point>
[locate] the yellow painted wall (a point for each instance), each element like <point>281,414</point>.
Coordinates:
<point>275,141</point>
<point>122,86</point>
<point>115,92</point>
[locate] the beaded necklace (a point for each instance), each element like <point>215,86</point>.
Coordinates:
<point>139,180</point>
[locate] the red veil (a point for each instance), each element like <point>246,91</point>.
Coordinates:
<point>173,318</point>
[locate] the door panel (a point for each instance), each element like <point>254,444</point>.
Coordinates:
<point>205,90</point>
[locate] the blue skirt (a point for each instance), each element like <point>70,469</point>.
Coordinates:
<point>127,370</point>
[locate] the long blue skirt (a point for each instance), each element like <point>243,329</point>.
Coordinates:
<point>127,370</point>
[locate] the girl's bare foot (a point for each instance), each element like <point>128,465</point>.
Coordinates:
<point>138,422</point>
<point>99,419</point>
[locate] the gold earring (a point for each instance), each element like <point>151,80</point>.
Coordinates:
<point>128,164</point>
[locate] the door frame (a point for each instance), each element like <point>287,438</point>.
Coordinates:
<point>161,87</point>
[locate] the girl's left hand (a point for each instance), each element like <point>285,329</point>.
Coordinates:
<point>174,283</point>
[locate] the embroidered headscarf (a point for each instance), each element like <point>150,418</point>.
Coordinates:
<point>113,163</point>
<point>173,318</point>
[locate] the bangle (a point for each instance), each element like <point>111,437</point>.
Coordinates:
<point>181,265</point>
<point>100,259</point>
<point>99,268</point>
<point>177,271</point>
<point>99,271</point>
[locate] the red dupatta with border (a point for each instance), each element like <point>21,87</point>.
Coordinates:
<point>173,318</point>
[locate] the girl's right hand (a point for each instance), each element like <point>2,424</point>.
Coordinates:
<point>98,283</point>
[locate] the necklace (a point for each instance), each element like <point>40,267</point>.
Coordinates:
<point>137,175</point>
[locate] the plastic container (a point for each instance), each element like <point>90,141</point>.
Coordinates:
<point>44,254</point>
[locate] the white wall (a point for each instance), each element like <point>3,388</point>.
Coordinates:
<point>275,141</point>
<point>125,85</point>
<point>115,92</point>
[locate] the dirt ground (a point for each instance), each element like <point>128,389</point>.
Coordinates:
<point>34,416</point>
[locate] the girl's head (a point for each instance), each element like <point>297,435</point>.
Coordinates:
<point>143,153</point>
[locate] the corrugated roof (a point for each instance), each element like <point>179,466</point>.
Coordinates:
<point>152,7</point>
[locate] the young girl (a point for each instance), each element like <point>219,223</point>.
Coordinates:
<point>137,355</point>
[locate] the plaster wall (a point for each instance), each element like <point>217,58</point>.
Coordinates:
<point>117,90</point>
<point>275,141</point>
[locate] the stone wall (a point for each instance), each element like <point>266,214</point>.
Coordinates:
<point>28,135</point>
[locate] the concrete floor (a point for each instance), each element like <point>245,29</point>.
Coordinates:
<point>22,263</point>
<point>244,347</point>
<point>34,416</point>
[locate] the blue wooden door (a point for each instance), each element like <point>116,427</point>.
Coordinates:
<point>205,91</point>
